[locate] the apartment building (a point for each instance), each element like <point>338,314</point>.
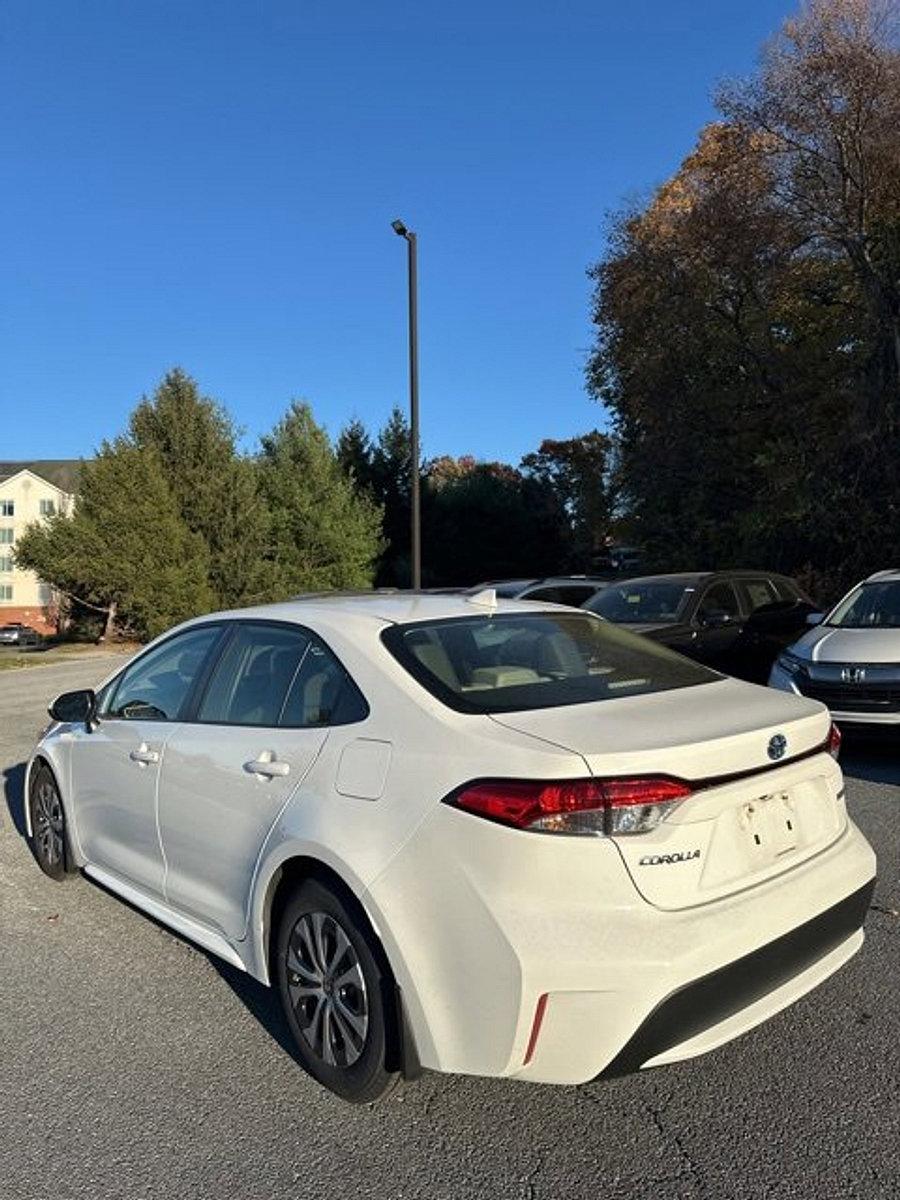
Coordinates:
<point>30,491</point>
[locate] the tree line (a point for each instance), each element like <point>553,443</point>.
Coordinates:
<point>748,318</point>
<point>172,519</point>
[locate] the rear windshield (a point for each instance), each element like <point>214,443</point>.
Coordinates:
<point>642,603</point>
<point>514,662</point>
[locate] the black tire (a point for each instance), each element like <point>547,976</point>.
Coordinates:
<point>337,993</point>
<point>49,836</point>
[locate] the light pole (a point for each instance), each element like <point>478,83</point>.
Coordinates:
<point>400,229</point>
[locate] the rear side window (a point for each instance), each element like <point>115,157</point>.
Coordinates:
<point>271,675</point>
<point>513,662</point>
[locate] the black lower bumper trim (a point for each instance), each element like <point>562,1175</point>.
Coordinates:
<point>715,997</point>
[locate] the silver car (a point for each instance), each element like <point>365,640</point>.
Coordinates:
<point>15,634</point>
<point>851,659</point>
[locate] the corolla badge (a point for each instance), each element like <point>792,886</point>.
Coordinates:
<point>777,746</point>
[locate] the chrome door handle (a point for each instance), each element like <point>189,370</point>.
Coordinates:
<point>272,768</point>
<point>143,755</point>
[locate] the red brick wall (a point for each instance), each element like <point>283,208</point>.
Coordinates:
<point>38,618</point>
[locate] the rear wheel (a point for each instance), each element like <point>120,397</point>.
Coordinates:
<point>336,992</point>
<point>48,824</point>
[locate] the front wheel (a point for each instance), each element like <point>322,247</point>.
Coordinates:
<point>336,993</point>
<point>48,824</point>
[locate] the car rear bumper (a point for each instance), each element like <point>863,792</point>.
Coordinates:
<point>694,1011</point>
<point>518,957</point>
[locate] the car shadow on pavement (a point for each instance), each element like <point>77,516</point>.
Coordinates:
<point>14,792</point>
<point>260,1001</point>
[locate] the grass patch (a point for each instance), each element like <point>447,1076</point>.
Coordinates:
<point>17,660</point>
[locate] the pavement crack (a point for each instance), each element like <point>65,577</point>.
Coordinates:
<point>884,910</point>
<point>656,1113</point>
<point>528,1183</point>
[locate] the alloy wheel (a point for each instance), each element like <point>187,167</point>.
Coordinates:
<point>48,821</point>
<point>327,989</point>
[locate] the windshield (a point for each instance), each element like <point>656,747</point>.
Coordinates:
<point>512,662</point>
<point>870,606</point>
<point>641,603</point>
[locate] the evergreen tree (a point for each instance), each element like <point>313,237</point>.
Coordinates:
<point>325,534</point>
<point>216,489</point>
<point>126,548</point>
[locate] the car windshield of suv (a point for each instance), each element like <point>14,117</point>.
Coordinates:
<point>641,603</point>
<point>870,606</point>
<point>511,662</point>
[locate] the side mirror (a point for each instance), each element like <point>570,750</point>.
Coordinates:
<point>815,618</point>
<point>72,707</point>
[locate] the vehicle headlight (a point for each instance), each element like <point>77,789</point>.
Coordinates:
<point>790,663</point>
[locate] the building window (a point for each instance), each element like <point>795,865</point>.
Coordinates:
<point>47,507</point>
<point>7,508</point>
<point>6,563</point>
<point>7,537</point>
<point>5,591</point>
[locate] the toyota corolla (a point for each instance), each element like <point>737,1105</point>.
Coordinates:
<point>462,833</point>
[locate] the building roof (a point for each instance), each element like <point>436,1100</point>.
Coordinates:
<point>61,472</point>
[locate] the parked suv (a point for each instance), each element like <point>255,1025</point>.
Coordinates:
<point>851,659</point>
<point>735,621</point>
<point>573,590</point>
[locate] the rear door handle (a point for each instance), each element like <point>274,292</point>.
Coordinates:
<point>144,755</point>
<point>271,768</point>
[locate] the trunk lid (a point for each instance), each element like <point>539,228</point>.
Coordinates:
<point>732,832</point>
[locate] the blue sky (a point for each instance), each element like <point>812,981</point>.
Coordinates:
<point>212,184</point>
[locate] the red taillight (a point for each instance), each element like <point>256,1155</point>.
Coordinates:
<point>574,805</point>
<point>834,741</point>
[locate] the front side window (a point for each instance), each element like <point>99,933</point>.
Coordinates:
<point>276,676</point>
<point>513,662</point>
<point>651,603</point>
<point>719,602</point>
<point>870,606</point>
<point>6,562</point>
<point>7,537</point>
<point>156,687</point>
<point>7,508</point>
<point>47,508</point>
<point>6,592</point>
<point>759,593</point>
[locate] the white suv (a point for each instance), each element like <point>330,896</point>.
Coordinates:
<point>851,659</point>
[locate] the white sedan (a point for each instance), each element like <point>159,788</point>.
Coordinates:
<point>465,834</point>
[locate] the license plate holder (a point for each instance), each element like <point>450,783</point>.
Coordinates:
<point>771,825</point>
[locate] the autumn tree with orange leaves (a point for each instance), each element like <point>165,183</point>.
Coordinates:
<point>748,317</point>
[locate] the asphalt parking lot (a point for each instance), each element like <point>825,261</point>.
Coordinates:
<point>133,1065</point>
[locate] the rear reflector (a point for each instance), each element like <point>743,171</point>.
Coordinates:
<point>834,741</point>
<point>586,806</point>
<point>539,1011</point>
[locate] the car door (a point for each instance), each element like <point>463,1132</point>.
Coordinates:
<point>717,622</point>
<point>115,766</point>
<point>230,770</point>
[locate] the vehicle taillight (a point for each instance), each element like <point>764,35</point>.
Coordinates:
<point>834,741</point>
<point>580,806</point>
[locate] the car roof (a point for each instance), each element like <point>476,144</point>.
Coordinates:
<point>891,574</point>
<point>398,608</point>
<point>693,578</point>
